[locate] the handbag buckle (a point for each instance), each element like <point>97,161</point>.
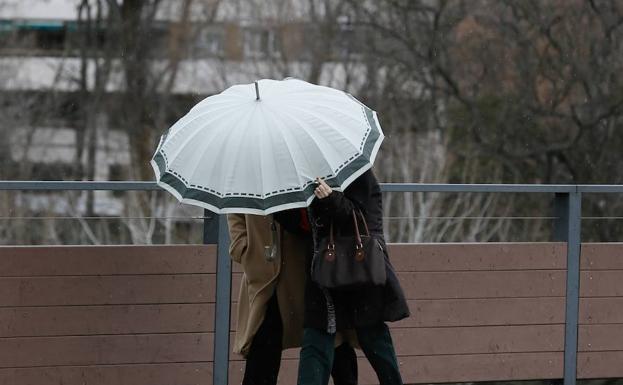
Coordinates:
<point>359,255</point>
<point>329,253</point>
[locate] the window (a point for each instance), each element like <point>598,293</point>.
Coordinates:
<point>34,37</point>
<point>209,43</point>
<point>349,39</point>
<point>260,43</point>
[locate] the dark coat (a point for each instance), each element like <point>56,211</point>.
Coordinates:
<point>365,306</point>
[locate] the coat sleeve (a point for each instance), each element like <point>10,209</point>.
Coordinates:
<point>237,225</point>
<point>339,205</point>
<point>336,206</point>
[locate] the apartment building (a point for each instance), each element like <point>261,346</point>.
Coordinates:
<point>48,68</point>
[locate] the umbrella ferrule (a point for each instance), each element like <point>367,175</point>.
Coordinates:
<point>257,91</point>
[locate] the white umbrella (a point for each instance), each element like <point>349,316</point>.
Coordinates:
<point>258,148</point>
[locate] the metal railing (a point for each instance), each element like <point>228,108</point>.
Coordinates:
<point>567,225</point>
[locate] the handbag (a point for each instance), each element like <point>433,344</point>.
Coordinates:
<point>349,261</point>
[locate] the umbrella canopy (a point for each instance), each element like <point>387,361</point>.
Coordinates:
<point>258,148</point>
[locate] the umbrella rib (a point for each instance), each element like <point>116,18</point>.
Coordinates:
<point>211,103</point>
<point>225,147</point>
<point>356,117</point>
<point>190,120</point>
<point>200,162</point>
<point>318,147</point>
<point>332,125</point>
<point>199,130</point>
<point>282,131</point>
<point>261,170</point>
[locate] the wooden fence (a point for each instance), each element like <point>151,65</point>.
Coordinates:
<point>104,315</point>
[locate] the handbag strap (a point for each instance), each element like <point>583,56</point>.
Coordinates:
<point>359,245</point>
<point>365,223</point>
<point>331,244</point>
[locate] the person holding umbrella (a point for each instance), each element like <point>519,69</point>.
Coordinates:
<point>270,301</point>
<point>365,309</point>
<point>257,149</point>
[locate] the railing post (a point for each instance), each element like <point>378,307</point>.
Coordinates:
<point>567,228</point>
<point>220,369</point>
<point>210,227</point>
<point>561,212</point>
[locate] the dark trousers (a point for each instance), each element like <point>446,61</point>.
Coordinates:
<point>264,358</point>
<point>317,355</point>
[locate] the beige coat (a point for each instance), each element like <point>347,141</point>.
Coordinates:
<point>249,235</point>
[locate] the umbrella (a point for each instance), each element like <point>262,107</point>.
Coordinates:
<point>257,148</point>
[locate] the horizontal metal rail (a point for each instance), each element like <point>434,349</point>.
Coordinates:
<point>385,187</point>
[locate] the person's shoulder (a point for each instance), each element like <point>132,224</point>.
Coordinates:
<point>363,188</point>
<point>366,180</point>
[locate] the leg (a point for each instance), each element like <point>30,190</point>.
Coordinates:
<point>344,370</point>
<point>377,345</point>
<point>316,357</point>
<point>264,358</point>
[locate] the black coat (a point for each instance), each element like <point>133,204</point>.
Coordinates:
<point>365,306</point>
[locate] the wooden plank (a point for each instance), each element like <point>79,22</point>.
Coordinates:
<point>107,319</point>
<point>441,369</point>
<point>424,369</point>
<point>478,256</point>
<point>474,367</point>
<point>108,350</point>
<point>481,367</point>
<point>601,310</point>
<point>186,347</point>
<point>143,289</point>
<point>600,337</point>
<point>600,365</point>
<point>139,374</point>
<point>501,311</point>
<point>482,312</point>
<point>472,284</point>
<point>483,284</point>
<point>602,256</point>
<point>469,340</point>
<point>478,312</point>
<point>168,259</point>
<point>94,290</point>
<point>106,260</point>
<point>601,283</point>
<point>475,256</point>
<point>125,319</point>
<point>499,284</point>
<point>478,340</point>
<point>415,370</point>
<point>508,311</point>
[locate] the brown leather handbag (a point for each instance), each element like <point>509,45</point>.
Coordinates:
<point>349,261</point>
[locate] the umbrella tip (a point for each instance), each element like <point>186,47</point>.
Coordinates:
<point>257,91</point>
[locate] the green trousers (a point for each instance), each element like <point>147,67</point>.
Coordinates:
<point>316,359</point>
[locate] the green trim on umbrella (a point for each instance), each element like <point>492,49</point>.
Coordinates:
<point>281,198</point>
